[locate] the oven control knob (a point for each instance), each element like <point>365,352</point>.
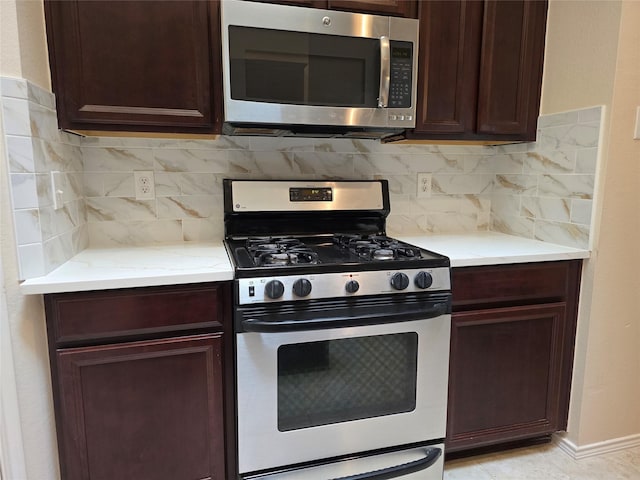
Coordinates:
<point>274,289</point>
<point>352,286</point>
<point>423,280</point>
<point>302,287</point>
<point>399,281</point>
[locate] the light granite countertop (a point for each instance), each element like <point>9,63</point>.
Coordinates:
<point>145,266</point>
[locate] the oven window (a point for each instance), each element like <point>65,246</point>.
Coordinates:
<point>299,68</point>
<point>334,381</point>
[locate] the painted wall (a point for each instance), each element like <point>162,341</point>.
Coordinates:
<point>23,50</point>
<point>593,56</point>
<point>30,423</point>
<point>580,58</point>
<point>33,58</point>
<point>612,365</point>
<point>10,62</point>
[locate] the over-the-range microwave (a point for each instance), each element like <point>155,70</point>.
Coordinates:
<point>303,68</point>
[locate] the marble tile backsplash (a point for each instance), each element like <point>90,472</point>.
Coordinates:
<point>547,194</point>
<point>188,182</point>
<point>45,237</point>
<point>541,190</point>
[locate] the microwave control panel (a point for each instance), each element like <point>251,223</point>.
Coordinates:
<point>401,72</point>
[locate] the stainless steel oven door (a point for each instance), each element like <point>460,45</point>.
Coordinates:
<point>318,394</point>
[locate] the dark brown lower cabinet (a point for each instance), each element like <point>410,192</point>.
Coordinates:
<point>146,399</point>
<point>143,410</point>
<point>512,344</point>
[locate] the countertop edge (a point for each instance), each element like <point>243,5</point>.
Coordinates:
<point>138,282</point>
<point>548,257</point>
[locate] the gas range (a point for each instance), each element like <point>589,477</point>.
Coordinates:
<point>341,332</point>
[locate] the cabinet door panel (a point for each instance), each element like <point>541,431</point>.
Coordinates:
<point>134,64</point>
<point>450,33</point>
<point>149,409</point>
<point>505,374</point>
<point>511,67</point>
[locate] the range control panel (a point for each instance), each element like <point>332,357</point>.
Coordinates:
<point>340,285</point>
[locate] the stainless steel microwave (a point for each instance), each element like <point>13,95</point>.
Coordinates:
<point>295,66</point>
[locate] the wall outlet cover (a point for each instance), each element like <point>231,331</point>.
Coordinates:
<point>145,186</point>
<point>424,185</point>
<point>58,186</point>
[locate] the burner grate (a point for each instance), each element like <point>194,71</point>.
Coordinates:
<point>279,251</point>
<point>376,247</point>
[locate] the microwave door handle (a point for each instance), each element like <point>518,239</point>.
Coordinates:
<point>431,455</point>
<point>385,72</point>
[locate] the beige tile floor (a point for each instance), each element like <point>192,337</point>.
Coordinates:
<point>545,462</point>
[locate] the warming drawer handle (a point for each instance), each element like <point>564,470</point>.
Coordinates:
<point>385,72</point>
<point>432,455</point>
<point>278,326</point>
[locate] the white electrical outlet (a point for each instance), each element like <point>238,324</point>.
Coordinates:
<point>424,185</point>
<point>58,185</point>
<point>144,184</point>
<point>636,134</point>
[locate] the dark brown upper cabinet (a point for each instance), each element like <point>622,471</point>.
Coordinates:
<point>136,65</point>
<point>396,8</point>
<point>480,69</point>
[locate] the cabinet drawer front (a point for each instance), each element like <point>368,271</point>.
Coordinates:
<point>109,314</point>
<point>513,284</point>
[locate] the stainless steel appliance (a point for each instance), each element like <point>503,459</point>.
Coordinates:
<point>298,69</point>
<point>342,335</point>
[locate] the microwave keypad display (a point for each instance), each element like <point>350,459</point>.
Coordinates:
<point>401,71</point>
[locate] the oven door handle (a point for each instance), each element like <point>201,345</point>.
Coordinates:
<point>278,326</point>
<point>431,456</point>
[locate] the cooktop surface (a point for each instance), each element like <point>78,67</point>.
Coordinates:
<point>267,255</point>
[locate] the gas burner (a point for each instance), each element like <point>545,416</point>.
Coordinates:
<point>383,254</point>
<point>371,250</point>
<point>376,247</point>
<point>270,251</point>
<point>273,242</point>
